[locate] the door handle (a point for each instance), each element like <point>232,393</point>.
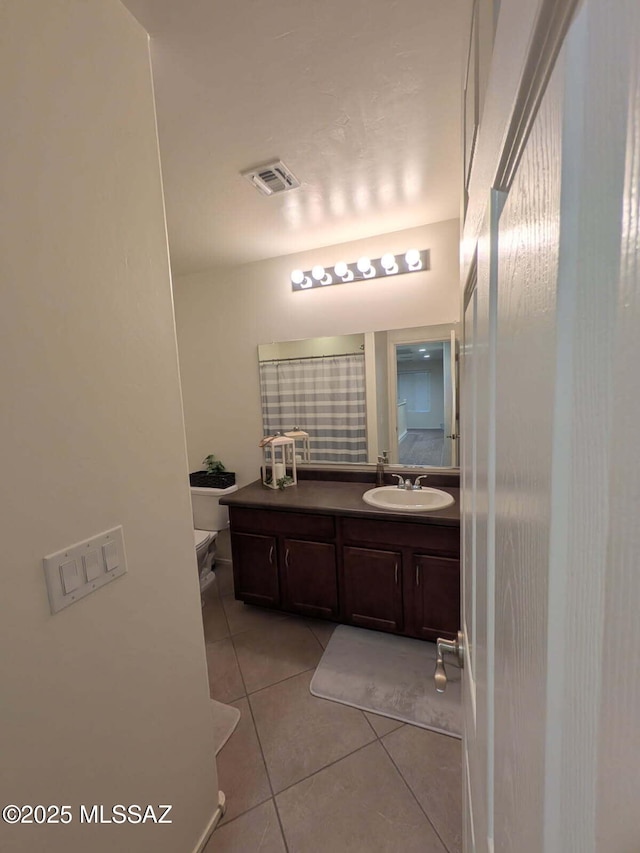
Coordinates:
<point>286,558</point>
<point>271,556</point>
<point>454,647</point>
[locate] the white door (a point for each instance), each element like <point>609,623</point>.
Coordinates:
<point>551,468</point>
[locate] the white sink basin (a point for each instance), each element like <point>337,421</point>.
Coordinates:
<point>404,500</point>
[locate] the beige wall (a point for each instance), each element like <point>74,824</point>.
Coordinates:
<point>107,701</point>
<point>222,315</point>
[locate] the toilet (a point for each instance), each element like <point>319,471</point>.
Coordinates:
<point>208,518</point>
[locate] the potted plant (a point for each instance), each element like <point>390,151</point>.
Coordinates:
<point>215,475</point>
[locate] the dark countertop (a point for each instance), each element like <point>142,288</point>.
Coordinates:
<point>335,498</point>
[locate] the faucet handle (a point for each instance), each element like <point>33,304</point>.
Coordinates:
<point>400,480</point>
<point>416,484</point>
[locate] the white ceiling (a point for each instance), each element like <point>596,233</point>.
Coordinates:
<point>360,98</point>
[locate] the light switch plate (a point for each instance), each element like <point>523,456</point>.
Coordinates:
<point>81,569</point>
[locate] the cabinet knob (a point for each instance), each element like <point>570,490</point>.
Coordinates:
<point>271,556</point>
<point>396,572</point>
<point>286,558</point>
<point>417,575</point>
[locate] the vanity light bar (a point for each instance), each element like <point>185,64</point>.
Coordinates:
<point>364,268</point>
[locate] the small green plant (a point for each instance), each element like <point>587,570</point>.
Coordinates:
<point>284,481</point>
<point>214,466</point>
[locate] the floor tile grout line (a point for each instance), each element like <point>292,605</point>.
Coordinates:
<point>266,768</point>
<point>291,618</point>
<point>242,814</point>
<point>282,681</point>
<point>326,767</point>
<point>284,836</point>
<point>276,621</point>
<point>255,728</point>
<point>413,794</point>
<point>224,615</point>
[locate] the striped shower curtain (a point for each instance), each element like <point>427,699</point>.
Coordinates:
<point>324,396</point>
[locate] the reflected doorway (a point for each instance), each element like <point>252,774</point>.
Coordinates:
<point>423,402</point>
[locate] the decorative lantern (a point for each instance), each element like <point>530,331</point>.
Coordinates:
<point>303,437</point>
<point>279,457</point>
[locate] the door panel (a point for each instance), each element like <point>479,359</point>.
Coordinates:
<point>525,388</point>
<point>310,578</point>
<point>373,588</point>
<point>562,489</point>
<point>436,596</point>
<point>255,569</point>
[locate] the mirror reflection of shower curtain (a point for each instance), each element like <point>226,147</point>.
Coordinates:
<point>325,396</point>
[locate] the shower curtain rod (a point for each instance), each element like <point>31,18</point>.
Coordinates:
<point>308,357</point>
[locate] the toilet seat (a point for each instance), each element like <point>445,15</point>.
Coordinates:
<point>202,537</point>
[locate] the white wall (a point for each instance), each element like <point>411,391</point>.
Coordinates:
<point>434,418</point>
<point>107,701</point>
<point>223,314</point>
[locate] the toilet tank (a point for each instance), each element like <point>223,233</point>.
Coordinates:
<point>207,512</point>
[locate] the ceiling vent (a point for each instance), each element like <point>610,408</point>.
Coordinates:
<point>272,178</point>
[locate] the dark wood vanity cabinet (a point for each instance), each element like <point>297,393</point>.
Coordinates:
<point>419,594</point>
<point>396,576</point>
<point>279,562</point>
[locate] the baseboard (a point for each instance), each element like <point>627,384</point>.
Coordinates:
<point>215,818</point>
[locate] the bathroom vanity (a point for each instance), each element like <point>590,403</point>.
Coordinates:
<point>317,549</point>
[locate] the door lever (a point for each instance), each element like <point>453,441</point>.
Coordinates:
<point>454,647</point>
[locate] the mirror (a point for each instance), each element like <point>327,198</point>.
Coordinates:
<point>359,396</point>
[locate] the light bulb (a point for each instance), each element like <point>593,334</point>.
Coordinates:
<point>426,356</point>
<point>297,276</point>
<point>422,350</point>
<point>343,271</point>
<point>364,265</point>
<point>318,272</point>
<point>389,264</point>
<point>412,259</point>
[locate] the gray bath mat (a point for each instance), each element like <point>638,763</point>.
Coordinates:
<point>391,676</point>
<point>225,719</point>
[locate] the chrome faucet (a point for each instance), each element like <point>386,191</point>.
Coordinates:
<point>402,483</point>
<point>417,485</point>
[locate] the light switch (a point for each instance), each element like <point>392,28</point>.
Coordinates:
<point>92,565</point>
<point>82,569</point>
<point>110,555</point>
<point>70,576</point>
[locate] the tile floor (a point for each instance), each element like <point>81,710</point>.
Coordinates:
<point>303,774</point>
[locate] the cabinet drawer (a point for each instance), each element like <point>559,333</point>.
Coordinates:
<point>282,523</point>
<point>424,537</point>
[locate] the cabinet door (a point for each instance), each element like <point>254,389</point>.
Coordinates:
<point>310,583</point>
<point>373,588</point>
<point>435,597</point>
<point>255,569</point>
